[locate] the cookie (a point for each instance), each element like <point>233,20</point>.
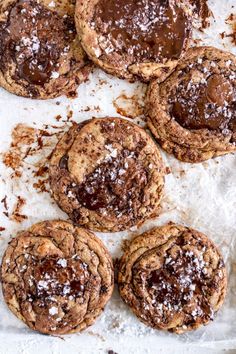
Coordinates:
<point>107,174</point>
<point>173,278</point>
<point>134,39</point>
<point>56,277</point>
<point>40,53</point>
<point>192,114</point>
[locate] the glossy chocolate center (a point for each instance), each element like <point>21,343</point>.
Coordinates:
<point>178,279</point>
<point>117,183</point>
<point>57,277</point>
<point>142,29</point>
<point>209,103</point>
<point>113,184</point>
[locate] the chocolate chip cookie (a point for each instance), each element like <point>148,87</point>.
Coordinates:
<point>173,278</point>
<point>56,277</point>
<point>107,174</point>
<point>192,114</point>
<point>40,53</point>
<point>134,39</point>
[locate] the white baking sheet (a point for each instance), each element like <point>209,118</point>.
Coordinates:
<point>202,196</point>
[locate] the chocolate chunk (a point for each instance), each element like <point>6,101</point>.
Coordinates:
<point>64,162</point>
<point>29,70</point>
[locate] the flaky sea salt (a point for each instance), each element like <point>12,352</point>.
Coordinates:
<point>62,262</point>
<point>228,63</point>
<point>42,285</point>
<point>114,153</point>
<point>53,310</point>
<point>52,4</point>
<point>70,194</point>
<point>55,75</point>
<point>66,290</point>
<point>192,287</point>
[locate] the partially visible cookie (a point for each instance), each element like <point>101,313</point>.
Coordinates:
<point>56,277</point>
<point>40,53</point>
<point>173,278</point>
<point>107,174</point>
<point>134,39</point>
<point>192,114</point>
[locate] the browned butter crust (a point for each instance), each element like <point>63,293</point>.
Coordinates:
<point>192,114</point>
<point>57,277</point>
<point>107,174</point>
<point>173,278</point>
<point>134,39</point>
<point>40,53</point>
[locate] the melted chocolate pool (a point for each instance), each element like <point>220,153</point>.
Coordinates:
<point>145,30</point>
<point>208,104</point>
<point>58,277</point>
<point>114,184</point>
